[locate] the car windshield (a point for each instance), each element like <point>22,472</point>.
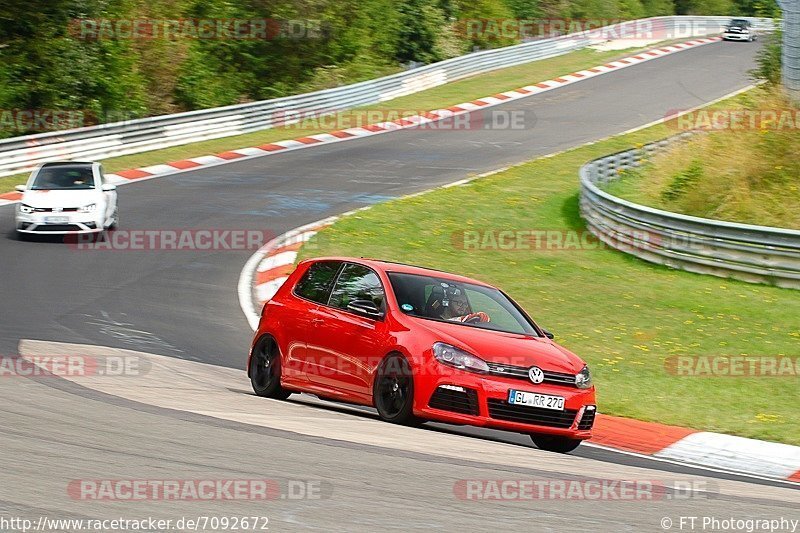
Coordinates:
<point>445,300</point>
<point>64,178</point>
<point>738,22</point>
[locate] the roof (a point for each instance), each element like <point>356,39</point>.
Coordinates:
<point>67,163</point>
<point>390,266</point>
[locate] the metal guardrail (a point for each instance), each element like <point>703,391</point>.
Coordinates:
<point>21,154</point>
<point>757,254</point>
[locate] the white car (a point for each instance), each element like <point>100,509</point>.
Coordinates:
<point>739,30</point>
<point>65,198</point>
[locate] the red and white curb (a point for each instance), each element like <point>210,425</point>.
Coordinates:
<point>268,268</point>
<point>184,165</point>
<point>714,451</point>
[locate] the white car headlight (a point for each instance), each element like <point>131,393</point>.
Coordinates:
<point>452,356</point>
<point>88,208</point>
<point>25,209</point>
<point>583,379</point>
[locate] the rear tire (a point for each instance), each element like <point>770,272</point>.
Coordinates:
<point>550,443</point>
<point>393,391</point>
<point>265,370</point>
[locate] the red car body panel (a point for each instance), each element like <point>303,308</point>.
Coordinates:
<point>334,353</point>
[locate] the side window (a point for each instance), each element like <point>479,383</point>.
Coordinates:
<point>357,283</point>
<point>315,285</point>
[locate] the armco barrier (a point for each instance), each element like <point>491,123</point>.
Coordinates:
<point>757,254</point>
<point>21,154</point>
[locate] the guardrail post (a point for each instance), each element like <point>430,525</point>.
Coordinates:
<point>791,47</point>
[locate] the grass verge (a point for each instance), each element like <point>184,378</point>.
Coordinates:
<point>624,316</point>
<point>438,97</point>
<point>747,171</point>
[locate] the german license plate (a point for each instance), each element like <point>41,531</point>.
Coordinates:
<point>56,220</point>
<point>533,399</point>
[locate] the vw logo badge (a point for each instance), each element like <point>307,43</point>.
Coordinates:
<point>535,374</point>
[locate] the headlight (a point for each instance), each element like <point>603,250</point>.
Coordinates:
<point>25,209</point>
<point>583,379</point>
<point>452,356</point>
<point>88,208</point>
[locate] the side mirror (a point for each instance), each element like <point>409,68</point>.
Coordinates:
<point>107,187</point>
<point>548,334</point>
<point>365,308</point>
<point>20,188</point>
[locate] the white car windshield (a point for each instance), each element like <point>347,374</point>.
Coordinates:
<point>64,178</point>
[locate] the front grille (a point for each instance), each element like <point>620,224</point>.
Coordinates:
<point>447,399</point>
<point>50,210</point>
<point>57,227</point>
<point>587,420</point>
<point>521,372</point>
<point>502,410</point>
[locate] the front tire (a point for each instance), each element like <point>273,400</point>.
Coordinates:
<point>265,370</point>
<point>115,222</point>
<point>393,391</point>
<point>551,443</point>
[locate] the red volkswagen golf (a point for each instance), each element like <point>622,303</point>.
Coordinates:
<point>418,345</point>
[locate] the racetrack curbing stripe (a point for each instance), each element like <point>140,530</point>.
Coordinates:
<point>751,456</point>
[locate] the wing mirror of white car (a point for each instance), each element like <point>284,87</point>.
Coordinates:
<point>19,188</point>
<point>108,187</point>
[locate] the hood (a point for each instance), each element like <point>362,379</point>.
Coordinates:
<point>505,348</point>
<point>55,198</point>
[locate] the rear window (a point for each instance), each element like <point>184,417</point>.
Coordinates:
<point>316,283</point>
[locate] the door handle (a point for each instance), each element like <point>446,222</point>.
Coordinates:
<point>316,321</point>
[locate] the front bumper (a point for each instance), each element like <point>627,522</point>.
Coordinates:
<point>736,36</point>
<point>484,403</point>
<point>58,223</point>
